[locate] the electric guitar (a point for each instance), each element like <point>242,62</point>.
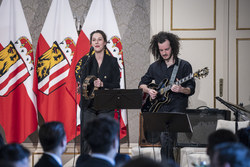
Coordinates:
<point>163,89</point>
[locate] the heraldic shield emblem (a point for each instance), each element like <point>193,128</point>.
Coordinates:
<point>52,69</point>
<point>13,70</point>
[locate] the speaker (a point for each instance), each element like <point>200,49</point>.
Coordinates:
<point>203,122</point>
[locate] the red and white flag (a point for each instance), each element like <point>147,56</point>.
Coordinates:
<point>101,17</point>
<point>55,50</point>
<point>18,107</point>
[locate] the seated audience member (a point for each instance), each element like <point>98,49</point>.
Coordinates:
<point>244,136</point>
<point>218,137</point>
<point>102,136</point>
<point>53,140</point>
<point>143,162</point>
<point>14,155</point>
<point>230,155</point>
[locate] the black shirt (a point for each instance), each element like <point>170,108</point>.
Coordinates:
<point>159,71</point>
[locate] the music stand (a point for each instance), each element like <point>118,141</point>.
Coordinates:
<point>118,99</point>
<point>166,122</point>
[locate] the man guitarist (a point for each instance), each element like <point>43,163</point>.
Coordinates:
<point>165,49</point>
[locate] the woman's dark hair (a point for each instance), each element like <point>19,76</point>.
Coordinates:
<point>161,37</point>
<point>100,32</point>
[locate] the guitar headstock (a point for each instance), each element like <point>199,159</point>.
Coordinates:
<point>201,73</point>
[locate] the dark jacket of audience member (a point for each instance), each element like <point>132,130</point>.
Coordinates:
<point>120,159</point>
<point>143,162</point>
<point>53,140</point>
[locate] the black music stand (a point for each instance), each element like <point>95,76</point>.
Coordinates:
<point>166,122</point>
<point>118,99</point>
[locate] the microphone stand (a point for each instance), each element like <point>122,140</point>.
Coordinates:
<point>84,66</point>
<point>235,109</point>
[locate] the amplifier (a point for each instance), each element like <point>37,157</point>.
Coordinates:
<point>203,122</point>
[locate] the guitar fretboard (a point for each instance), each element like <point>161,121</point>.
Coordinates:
<point>190,76</point>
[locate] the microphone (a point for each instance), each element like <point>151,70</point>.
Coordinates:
<point>91,50</point>
<point>84,66</point>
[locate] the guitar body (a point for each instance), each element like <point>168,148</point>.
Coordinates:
<point>153,105</point>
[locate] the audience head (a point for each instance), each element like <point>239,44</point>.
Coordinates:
<point>230,155</point>
<point>52,137</point>
<point>14,155</point>
<point>142,162</point>
<point>102,135</point>
<point>244,136</point>
<point>218,137</point>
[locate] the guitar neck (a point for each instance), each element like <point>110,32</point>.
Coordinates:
<point>190,76</point>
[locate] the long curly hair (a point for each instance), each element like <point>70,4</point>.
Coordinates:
<point>161,37</point>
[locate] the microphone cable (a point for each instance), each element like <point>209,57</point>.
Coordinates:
<point>76,86</point>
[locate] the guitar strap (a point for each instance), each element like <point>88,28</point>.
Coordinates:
<point>176,67</point>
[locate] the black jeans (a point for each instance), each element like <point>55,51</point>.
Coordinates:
<point>168,141</point>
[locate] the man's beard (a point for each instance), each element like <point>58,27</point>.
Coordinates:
<point>171,55</point>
